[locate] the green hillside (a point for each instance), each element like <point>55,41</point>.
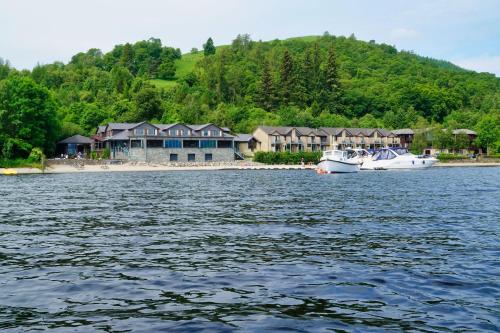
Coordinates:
<point>304,81</point>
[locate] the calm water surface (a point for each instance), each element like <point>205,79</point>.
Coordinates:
<point>251,251</point>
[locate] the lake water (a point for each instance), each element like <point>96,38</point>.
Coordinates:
<point>251,251</point>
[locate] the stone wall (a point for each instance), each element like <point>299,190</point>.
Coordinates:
<point>162,155</point>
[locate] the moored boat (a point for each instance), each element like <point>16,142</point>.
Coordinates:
<point>396,158</point>
<point>339,161</point>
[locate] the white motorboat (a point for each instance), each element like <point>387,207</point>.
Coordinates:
<point>397,158</point>
<point>339,161</point>
<point>363,155</point>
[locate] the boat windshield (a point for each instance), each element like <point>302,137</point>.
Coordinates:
<point>384,154</point>
<point>335,154</point>
<point>401,151</point>
<point>351,154</point>
<point>338,154</point>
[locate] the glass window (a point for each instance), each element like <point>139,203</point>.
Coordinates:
<point>191,157</point>
<point>154,143</point>
<point>174,157</point>
<point>205,133</point>
<point>215,133</point>
<point>173,144</point>
<point>224,144</point>
<point>139,131</point>
<point>151,131</point>
<point>191,144</point>
<point>390,155</point>
<point>136,143</point>
<point>208,157</point>
<point>208,144</point>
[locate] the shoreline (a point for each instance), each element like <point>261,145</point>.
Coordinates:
<point>60,169</point>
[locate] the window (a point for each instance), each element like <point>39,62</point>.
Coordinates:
<point>151,131</point>
<point>191,157</point>
<point>180,132</point>
<point>170,132</point>
<point>224,144</point>
<point>174,157</point>
<point>215,133</point>
<point>136,143</point>
<point>139,131</point>
<point>208,144</point>
<point>191,144</point>
<point>208,157</point>
<point>173,144</point>
<point>205,133</point>
<point>154,143</point>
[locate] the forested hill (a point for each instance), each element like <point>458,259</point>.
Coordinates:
<point>308,81</point>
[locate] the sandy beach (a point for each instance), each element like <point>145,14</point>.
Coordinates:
<point>145,167</point>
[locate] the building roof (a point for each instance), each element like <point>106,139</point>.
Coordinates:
<point>276,129</point>
<point>126,130</point>
<point>332,130</point>
<point>464,131</point>
<point>243,137</point>
<point>199,127</point>
<point>77,139</point>
<point>123,135</point>
<point>121,126</point>
<point>101,129</point>
<point>166,126</point>
<point>403,131</point>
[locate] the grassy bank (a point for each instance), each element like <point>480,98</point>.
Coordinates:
<point>286,157</point>
<point>19,163</point>
<point>453,158</point>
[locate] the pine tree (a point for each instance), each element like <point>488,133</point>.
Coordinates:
<point>307,79</point>
<point>266,97</point>
<point>315,80</point>
<point>127,57</point>
<point>287,78</point>
<point>300,95</point>
<point>222,87</point>
<point>332,90</point>
<point>208,47</point>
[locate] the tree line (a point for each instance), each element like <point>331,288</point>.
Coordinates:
<point>309,81</point>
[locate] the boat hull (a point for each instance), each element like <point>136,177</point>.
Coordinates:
<point>399,163</point>
<point>330,166</point>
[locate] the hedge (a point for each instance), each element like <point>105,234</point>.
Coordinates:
<point>287,157</point>
<point>449,157</point>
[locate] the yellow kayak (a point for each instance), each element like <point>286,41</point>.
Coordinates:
<point>9,172</point>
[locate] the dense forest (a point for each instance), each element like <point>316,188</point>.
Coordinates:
<point>309,81</point>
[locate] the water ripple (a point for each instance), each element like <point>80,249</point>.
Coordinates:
<point>253,251</point>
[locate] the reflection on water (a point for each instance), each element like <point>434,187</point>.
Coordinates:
<point>251,251</point>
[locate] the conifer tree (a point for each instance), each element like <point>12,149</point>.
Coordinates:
<point>332,90</point>
<point>208,47</point>
<point>307,80</point>
<point>127,57</point>
<point>287,78</point>
<point>266,97</point>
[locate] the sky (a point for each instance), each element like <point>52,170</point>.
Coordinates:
<point>466,32</point>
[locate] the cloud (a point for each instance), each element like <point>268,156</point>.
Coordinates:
<point>403,33</point>
<point>486,63</point>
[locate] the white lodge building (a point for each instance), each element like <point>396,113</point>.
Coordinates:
<point>160,143</point>
<point>270,138</point>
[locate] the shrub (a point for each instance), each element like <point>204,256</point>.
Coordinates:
<point>450,157</point>
<point>287,157</point>
<point>106,153</point>
<point>36,155</point>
